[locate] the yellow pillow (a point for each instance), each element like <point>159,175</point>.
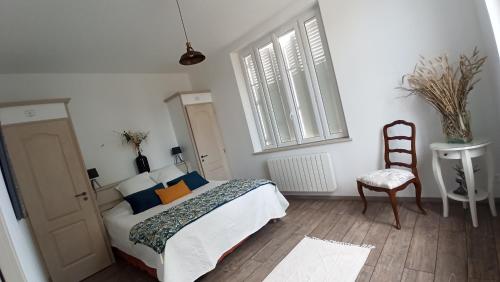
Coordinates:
<point>172,193</point>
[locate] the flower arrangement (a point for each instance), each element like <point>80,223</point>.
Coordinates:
<point>446,88</point>
<point>135,138</point>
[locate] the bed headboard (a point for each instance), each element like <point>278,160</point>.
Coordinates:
<point>108,196</point>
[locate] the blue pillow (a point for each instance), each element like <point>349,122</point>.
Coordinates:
<point>145,199</point>
<point>193,180</point>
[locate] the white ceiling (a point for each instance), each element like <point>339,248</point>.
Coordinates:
<point>133,36</point>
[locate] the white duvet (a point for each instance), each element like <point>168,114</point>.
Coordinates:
<point>196,248</point>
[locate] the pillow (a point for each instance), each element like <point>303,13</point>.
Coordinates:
<point>135,184</point>
<point>173,192</point>
<point>193,180</point>
<point>145,199</point>
<point>165,174</point>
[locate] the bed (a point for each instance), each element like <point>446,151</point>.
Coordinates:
<point>196,248</point>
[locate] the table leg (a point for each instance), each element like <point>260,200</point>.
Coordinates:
<point>471,187</point>
<point>436,167</point>
<point>490,167</point>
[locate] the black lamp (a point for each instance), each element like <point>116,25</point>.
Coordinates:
<point>191,57</point>
<point>93,174</point>
<point>176,152</point>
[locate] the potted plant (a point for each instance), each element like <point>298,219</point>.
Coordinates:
<point>136,138</point>
<point>446,87</point>
<point>461,181</point>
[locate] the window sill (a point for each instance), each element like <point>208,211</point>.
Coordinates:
<point>300,146</point>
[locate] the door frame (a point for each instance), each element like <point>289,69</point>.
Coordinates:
<point>193,140</point>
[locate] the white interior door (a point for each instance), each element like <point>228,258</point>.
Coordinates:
<point>208,141</point>
<point>49,171</point>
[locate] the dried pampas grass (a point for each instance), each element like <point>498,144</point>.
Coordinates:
<point>446,88</point>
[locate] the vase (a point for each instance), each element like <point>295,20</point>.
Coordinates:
<point>142,163</point>
<point>456,127</point>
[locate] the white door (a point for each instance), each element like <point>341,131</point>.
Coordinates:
<point>208,141</point>
<point>49,170</point>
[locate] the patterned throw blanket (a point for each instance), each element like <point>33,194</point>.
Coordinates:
<point>156,230</point>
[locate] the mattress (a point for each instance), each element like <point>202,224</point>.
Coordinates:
<point>196,248</point>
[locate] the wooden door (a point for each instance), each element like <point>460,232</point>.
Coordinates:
<point>49,171</point>
<point>208,141</point>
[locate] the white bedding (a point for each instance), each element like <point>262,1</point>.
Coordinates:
<point>196,248</point>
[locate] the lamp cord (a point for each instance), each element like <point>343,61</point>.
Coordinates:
<point>182,20</point>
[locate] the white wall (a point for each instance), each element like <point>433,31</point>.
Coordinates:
<point>102,105</point>
<point>493,9</point>
<point>20,237</point>
<point>488,12</point>
<point>373,43</point>
<point>181,127</point>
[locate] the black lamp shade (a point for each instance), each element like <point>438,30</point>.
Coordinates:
<point>176,150</point>
<point>92,173</point>
<point>191,57</point>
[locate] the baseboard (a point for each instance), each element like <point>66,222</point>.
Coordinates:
<point>373,198</point>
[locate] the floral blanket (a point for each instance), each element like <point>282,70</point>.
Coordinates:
<point>156,230</point>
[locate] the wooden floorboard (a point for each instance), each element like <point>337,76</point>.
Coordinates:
<point>410,275</point>
<point>451,263</point>
<point>361,226</point>
<point>328,221</point>
<point>427,248</point>
<point>496,233</point>
<point>378,233</point>
<point>366,273</point>
<point>481,249</point>
<point>390,265</point>
<point>423,247</point>
<point>346,221</point>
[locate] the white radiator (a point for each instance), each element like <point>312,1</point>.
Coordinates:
<point>307,173</point>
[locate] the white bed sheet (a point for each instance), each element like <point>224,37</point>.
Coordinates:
<point>196,248</point>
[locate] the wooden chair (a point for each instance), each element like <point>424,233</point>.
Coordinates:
<point>391,180</point>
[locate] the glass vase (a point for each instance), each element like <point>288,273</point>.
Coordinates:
<point>456,127</point>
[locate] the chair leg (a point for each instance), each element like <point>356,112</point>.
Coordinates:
<point>418,192</point>
<point>394,203</point>
<point>362,195</point>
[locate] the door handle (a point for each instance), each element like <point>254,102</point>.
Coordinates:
<point>81,194</point>
<point>203,156</point>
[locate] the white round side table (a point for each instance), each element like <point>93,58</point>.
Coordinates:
<point>465,153</point>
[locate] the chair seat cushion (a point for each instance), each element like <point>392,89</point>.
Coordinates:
<point>386,178</point>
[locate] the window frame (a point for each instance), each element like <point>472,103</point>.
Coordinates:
<point>281,31</point>
<point>255,47</point>
<point>296,24</point>
<point>304,18</point>
<point>253,103</point>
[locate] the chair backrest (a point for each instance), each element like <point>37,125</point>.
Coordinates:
<point>388,150</point>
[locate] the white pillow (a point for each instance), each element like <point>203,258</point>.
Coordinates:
<point>135,184</point>
<point>166,173</point>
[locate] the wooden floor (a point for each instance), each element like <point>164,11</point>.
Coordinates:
<point>427,248</point>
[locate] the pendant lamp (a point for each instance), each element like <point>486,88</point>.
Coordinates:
<point>191,57</point>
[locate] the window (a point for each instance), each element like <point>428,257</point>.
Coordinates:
<point>291,81</point>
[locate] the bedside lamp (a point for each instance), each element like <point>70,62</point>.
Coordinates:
<point>176,152</point>
<point>93,175</point>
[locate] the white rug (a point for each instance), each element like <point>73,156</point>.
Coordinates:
<point>319,260</point>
